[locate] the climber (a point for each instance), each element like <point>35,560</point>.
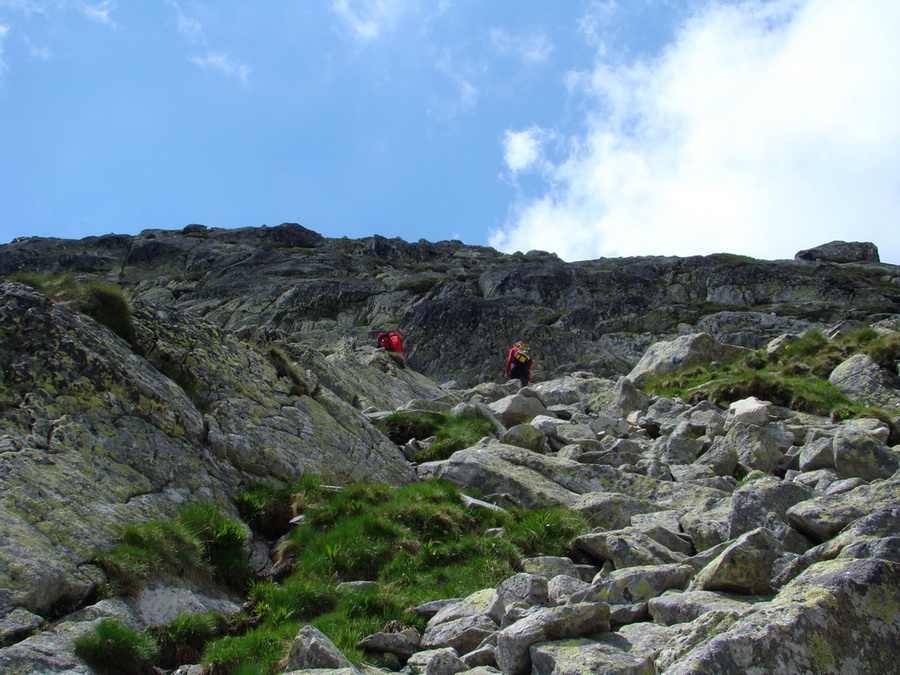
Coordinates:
<point>518,363</point>
<point>392,343</point>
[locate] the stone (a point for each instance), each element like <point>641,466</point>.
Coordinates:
<point>639,584</point>
<point>463,634</point>
<point>582,655</point>
<point>754,445</point>
<point>487,602</point>
<point>562,587</point>
<point>857,454</point>
<point>747,411</point>
<point>764,503</point>
<point>610,510</point>
<point>745,566</point>
<point>311,648</point>
<point>552,623</point>
<point>517,409</point>
<point>841,252</point>
<point>837,616</point>
<point>443,661</point>
<point>525,436</point>
<point>822,517</point>
<point>687,351</point>
<point>882,525</point>
<point>527,589</point>
<point>549,566</point>
<point>404,644</point>
<point>674,607</point>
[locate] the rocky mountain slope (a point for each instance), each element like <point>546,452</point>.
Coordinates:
<point>753,537</point>
<point>463,306</point>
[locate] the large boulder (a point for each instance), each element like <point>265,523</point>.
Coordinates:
<point>682,353</point>
<point>815,624</point>
<point>551,623</point>
<point>841,252</point>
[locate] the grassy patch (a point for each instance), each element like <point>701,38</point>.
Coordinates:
<point>451,432</point>
<point>199,544</point>
<point>105,303</point>
<point>415,544</point>
<point>183,640</point>
<point>797,378</point>
<point>115,649</point>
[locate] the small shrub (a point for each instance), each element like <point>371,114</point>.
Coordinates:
<point>105,303</point>
<point>115,649</point>
<point>402,426</point>
<point>183,640</point>
<point>108,305</point>
<point>257,651</point>
<point>267,508</point>
<point>223,539</point>
<point>885,351</point>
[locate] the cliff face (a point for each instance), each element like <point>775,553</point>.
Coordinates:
<point>97,433</point>
<point>462,306</point>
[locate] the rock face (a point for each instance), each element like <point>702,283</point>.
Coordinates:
<point>841,252</point>
<point>753,538</point>
<point>460,306</point>
<point>95,436</point>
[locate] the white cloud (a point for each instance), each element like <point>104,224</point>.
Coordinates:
<point>4,30</point>
<point>765,128</point>
<point>224,64</point>
<point>522,149</point>
<point>194,34</point>
<point>462,73</point>
<point>532,47</point>
<point>369,19</point>
<point>99,12</point>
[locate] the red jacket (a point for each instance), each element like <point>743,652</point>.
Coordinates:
<point>396,344</point>
<point>509,364</point>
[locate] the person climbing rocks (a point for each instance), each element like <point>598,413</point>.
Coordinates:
<point>518,363</point>
<point>392,343</point>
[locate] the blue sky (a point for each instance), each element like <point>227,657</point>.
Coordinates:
<point>586,127</point>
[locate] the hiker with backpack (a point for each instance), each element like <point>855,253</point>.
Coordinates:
<point>392,343</point>
<point>518,363</point>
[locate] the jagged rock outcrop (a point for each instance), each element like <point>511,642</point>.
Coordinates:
<point>841,252</point>
<point>96,436</point>
<point>463,306</point>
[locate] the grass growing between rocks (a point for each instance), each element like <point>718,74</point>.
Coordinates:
<point>199,544</point>
<point>104,303</point>
<point>796,378</point>
<point>113,648</point>
<point>411,545</point>
<point>450,432</point>
<point>414,544</point>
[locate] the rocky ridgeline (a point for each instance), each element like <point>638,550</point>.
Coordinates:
<point>724,540</point>
<point>463,306</point>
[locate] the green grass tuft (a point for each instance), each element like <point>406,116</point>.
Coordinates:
<point>115,649</point>
<point>199,544</point>
<point>105,303</point>
<point>451,433</point>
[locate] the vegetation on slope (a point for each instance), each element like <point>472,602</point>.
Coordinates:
<point>105,303</point>
<point>450,432</point>
<point>796,378</point>
<point>414,544</point>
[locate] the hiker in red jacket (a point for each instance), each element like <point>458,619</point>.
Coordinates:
<point>518,363</point>
<point>393,343</point>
